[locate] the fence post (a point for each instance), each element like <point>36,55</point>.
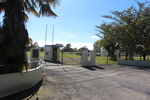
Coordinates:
<point>118,58</point>
<point>107,60</point>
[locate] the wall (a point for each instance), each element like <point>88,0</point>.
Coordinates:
<point>15,82</point>
<point>134,63</point>
<point>84,58</point>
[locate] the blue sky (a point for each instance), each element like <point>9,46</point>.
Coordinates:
<point>75,23</point>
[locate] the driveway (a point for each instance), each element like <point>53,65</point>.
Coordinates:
<point>102,82</point>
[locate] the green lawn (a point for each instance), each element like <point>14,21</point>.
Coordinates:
<point>99,59</point>
<point>72,55</point>
<point>137,58</point>
<point>105,60</point>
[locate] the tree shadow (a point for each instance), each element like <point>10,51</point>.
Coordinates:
<point>145,68</point>
<point>49,63</point>
<point>92,68</point>
<point>25,93</point>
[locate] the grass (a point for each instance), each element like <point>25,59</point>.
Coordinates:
<point>137,58</point>
<point>99,59</point>
<point>105,60</point>
<point>72,55</point>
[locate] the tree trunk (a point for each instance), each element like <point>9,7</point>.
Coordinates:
<point>144,55</point>
<point>126,55</point>
<point>13,48</point>
<point>131,55</point>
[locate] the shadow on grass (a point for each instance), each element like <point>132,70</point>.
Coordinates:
<point>24,94</point>
<point>92,68</point>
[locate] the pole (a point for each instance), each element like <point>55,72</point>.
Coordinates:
<point>62,57</point>
<point>53,35</point>
<point>46,34</point>
<point>107,60</point>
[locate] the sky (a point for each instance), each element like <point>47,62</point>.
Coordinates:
<point>75,23</point>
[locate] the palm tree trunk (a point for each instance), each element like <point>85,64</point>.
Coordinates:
<point>16,36</point>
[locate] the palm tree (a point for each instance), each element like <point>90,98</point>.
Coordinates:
<point>14,35</point>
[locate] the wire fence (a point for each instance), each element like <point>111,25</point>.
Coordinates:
<point>75,58</point>
<point>134,56</point>
<point>105,60</point>
<point>70,58</point>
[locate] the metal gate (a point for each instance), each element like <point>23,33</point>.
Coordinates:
<point>70,58</point>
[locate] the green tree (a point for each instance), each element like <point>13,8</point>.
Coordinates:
<point>83,48</point>
<point>14,35</point>
<point>41,49</point>
<point>74,49</point>
<point>109,38</point>
<point>97,46</point>
<point>67,48</point>
<point>132,28</point>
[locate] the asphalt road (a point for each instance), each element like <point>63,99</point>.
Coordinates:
<point>103,82</point>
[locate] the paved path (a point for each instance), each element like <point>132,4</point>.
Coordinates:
<point>103,82</point>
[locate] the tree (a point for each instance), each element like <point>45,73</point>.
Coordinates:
<point>36,45</point>
<point>13,33</point>
<point>74,49</point>
<point>83,48</point>
<point>67,48</point>
<point>97,46</point>
<point>41,49</point>
<point>109,38</point>
<point>131,28</point>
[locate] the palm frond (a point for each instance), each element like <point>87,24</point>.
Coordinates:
<point>54,3</point>
<point>26,17</point>
<point>33,11</point>
<point>33,3</point>
<point>45,10</point>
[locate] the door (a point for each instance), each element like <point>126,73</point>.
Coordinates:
<point>54,56</point>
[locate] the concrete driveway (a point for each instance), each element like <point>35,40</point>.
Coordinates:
<point>102,82</point>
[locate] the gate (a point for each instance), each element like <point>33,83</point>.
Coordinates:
<point>70,58</point>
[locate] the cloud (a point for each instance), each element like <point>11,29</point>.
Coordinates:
<point>72,35</point>
<point>41,43</point>
<point>36,33</point>
<point>66,33</point>
<point>94,37</point>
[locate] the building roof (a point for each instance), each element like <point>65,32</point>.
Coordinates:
<point>57,45</point>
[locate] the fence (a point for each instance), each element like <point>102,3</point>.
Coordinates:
<point>135,60</point>
<point>69,58</point>
<point>75,58</point>
<point>101,59</point>
<point>135,57</point>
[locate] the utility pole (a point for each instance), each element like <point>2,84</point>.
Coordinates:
<point>52,34</point>
<point>46,34</point>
